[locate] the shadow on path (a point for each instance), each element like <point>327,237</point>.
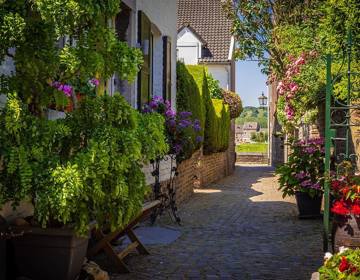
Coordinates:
<point>237,228</point>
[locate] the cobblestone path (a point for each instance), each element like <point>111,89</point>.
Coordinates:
<point>238,228</point>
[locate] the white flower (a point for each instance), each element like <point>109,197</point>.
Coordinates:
<point>327,256</point>
<point>342,249</point>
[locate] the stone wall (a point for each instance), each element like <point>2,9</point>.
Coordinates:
<point>201,170</point>
<point>260,158</point>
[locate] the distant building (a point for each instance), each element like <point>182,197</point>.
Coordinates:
<point>243,132</point>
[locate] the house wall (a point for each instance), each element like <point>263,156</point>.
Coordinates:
<point>163,15</point>
<point>222,73</point>
<point>188,47</point>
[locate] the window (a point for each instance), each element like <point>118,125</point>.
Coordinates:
<point>144,76</point>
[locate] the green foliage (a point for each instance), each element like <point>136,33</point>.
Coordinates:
<point>344,265</point>
<point>82,168</point>
<point>151,129</point>
<point>252,148</point>
<point>189,98</point>
<point>259,136</point>
<point>253,114</point>
<point>92,49</point>
<point>234,101</point>
<point>214,87</point>
<point>217,128</point>
<point>254,22</point>
<point>215,115</point>
<point>192,92</point>
<point>304,170</point>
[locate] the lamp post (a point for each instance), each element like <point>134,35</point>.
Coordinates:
<point>263,101</point>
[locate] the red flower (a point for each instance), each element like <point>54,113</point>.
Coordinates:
<point>344,264</point>
<point>340,208</point>
<point>345,191</point>
<point>355,209</point>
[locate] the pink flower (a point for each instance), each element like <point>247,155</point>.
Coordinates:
<point>293,87</point>
<point>300,61</point>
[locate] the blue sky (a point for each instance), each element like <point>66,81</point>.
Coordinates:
<point>250,82</point>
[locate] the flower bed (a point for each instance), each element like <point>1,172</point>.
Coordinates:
<point>344,265</point>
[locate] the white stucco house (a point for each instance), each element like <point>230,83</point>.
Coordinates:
<point>151,26</point>
<point>204,37</point>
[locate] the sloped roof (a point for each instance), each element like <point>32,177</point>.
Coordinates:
<point>210,21</point>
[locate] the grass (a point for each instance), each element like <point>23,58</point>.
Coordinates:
<point>252,148</point>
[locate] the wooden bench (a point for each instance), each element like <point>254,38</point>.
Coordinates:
<point>103,241</point>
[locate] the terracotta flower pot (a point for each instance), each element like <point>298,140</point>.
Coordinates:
<point>309,207</point>
<point>348,233</point>
<point>43,254</point>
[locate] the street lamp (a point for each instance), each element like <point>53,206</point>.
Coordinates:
<point>263,101</point>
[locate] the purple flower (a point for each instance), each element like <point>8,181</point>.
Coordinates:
<point>316,186</point>
<point>170,113</point>
<point>153,104</point>
<point>184,123</point>
<point>310,150</point>
<point>301,175</point>
<point>197,126</point>
<point>177,148</point>
<point>167,104</point>
<point>67,89</point>
<point>172,123</point>
<point>95,82</point>
<point>158,99</point>
<point>199,139</point>
<point>306,183</point>
<point>185,115</point>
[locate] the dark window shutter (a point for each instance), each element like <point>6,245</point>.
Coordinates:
<point>144,34</point>
<point>167,68</point>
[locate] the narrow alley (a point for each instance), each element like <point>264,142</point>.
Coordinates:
<point>238,228</point>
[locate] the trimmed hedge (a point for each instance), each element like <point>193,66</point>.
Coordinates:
<point>217,127</point>
<point>192,91</point>
<point>193,95</point>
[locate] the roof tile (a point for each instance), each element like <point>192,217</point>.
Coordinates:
<point>209,20</point>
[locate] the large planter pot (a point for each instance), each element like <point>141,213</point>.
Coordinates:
<point>309,207</point>
<point>348,235</point>
<point>43,254</point>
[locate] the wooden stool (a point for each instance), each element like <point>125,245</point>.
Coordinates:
<point>104,240</point>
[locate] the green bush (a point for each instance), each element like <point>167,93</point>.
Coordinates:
<point>213,114</point>
<point>192,91</point>
<point>217,127</point>
<point>82,168</point>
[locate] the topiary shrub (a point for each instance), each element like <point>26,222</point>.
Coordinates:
<point>217,127</point>
<point>234,101</point>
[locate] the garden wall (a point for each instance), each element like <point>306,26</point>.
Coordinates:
<point>201,170</point>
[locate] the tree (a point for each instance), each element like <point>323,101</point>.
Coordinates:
<point>255,22</point>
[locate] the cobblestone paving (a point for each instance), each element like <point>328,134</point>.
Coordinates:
<point>238,228</point>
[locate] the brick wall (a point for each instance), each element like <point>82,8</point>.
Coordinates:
<point>201,170</point>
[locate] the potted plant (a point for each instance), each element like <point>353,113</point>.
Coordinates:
<point>303,174</point>
<point>345,191</point>
<point>75,170</point>
<point>343,265</point>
